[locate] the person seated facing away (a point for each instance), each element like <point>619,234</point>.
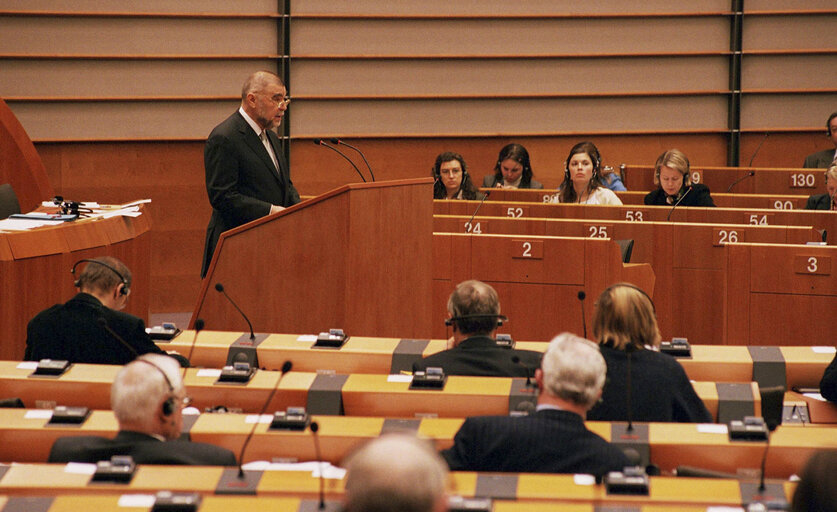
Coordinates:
<point>474,314</point>
<point>824,158</point>
<point>147,397</point>
<point>625,326</point>
<point>674,183</point>
<point>72,331</point>
<point>554,438</point>
<point>828,383</point>
<point>582,181</point>
<point>395,473</point>
<point>513,170</point>
<point>827,201</point>
<point>452,178</point>
<point>815,491</point>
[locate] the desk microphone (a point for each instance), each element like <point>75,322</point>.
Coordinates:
<point>756,152</point>
<point>771,426</point>
<point>629,350</point>
<point>286,367</point>
<point>104,324</point>
<point>321,142</point>
<point>359,152</point>
<point>220,288</point>
<point>487,193</point>
<point>315,427</point>
<point>199,325</point>
<point>739,180</point>
<point>678,202</point>
<point>516,360</point>
<point>581,297</point>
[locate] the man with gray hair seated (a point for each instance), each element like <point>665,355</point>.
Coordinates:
<point>147,398</point>
<point>395,473</point>
<point>554,438</point>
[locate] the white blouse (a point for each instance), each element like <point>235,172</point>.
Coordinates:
<point>600,195</point>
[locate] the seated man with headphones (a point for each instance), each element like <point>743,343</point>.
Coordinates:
<point>147,397</point>
<point>474,314</point>
<point>89,328</point>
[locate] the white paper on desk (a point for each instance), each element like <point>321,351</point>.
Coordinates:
<point>135,203</point>
<point>132,211</point>
<point>209,372</point>
<point>815,396</point>
<point>824,350</point>
<point>712,428</point>
<point>25,224</point>
<point>136,500</point>
<point>80,468</point>
<point>399,378</point>
<point>38,414</point>
<point>28,365</point>
<point>255,418</point>
<point>307,338</point>
<point>329,472</point>
<point>582,479</point>
<point>83,204</point>
<point>724,509</point>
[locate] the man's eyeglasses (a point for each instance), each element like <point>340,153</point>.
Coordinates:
<point>278,100</point>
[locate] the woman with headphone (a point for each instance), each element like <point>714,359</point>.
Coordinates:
<point>674,183</point>
<point>452,178</point>
<point>625,325</point>
<point>582,178</point>
<point>512,170</point>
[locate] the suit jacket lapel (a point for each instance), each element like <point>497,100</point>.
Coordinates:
<point>255,144</point>
<point>274,143</point>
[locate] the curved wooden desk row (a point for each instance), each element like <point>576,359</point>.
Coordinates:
<point>28,437</point>
<point>802,366</point>
<point>719,179</point>
<point>54,479</point>
<point>35,268</point>
<point>637,197</point>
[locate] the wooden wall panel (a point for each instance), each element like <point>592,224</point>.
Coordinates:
<point>146,6</point>
<point>788,72</point>
<point>775,112</point>
<point>797,32</point>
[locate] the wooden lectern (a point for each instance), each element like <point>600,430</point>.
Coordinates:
<point>358,258</point>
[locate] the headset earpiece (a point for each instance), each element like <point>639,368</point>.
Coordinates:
<point>167,407</point>
<point>123,290</point>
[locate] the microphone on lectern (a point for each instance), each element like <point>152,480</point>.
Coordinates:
<point>220,288</point>
<point>359,152</point>
<point>321,142</point>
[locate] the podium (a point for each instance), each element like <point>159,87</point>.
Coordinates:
<point>358,258</point>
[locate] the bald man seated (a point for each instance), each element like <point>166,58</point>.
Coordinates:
<point>147,398</point>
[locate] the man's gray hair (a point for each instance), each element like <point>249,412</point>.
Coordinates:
<point>395,473</point>
<point>257,82</point>
<point>573,369</point>
<point>139,387</point>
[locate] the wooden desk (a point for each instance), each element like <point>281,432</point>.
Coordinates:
<point>688,262</point>
<point>804,366</point>
<point>543,489</point>
<point>671,444</point>
<point>35,266</point>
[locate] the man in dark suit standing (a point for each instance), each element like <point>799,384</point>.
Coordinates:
<point>554,438</point>
<point>147,397</point>
<point>474,314</point>
<point>74,331</point>
<point>824,158</point>
<point>246,175</point>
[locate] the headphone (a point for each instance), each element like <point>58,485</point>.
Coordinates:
<point>637,288</point>
<point>168,406</point>
<point>500,318</point>
<point>77,282</point>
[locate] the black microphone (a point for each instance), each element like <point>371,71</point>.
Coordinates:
<point>771,426</point>
<point>756,152</point>
<point>315,427</point>
<point>120,339</point>
<point>286,367</point>
<point>359,152</point>
<point>321,142</point>
<point>516,360</point>
<point>678,202</point>
<point>629,350</point>
<point>220,288</point>
<point>199,325</point>
<point>581,297</point>
<point>487,193</point>
<point>739,180</point>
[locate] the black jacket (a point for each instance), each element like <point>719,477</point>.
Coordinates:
<point>818,202</point>
<point>548,441</point>
<point>480,356</point>
<point>828,384</point>
<point>698,196</point>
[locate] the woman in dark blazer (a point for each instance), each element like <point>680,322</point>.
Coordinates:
<point>674,183</point>
<point>513,169</point>
<point>625,326</point>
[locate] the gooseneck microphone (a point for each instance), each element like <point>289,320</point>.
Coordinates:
<point>739,180</point>
<point>315,427</point>
<point>629,350</point>
<point>689,189</point>
<point>581,297</point>
<point>321,142</point>
<point>756,152</point>
<point>199,325</point>
<point>516,360</point>
<point>771,426</point>
<point>286,367</point>
<point>487,193</point>
<point>359,152</point>
<point>104,324</point>
<point>220,288</point>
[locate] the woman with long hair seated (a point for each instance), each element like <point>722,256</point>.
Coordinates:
<point>625,325</point>
<point>452,178</point>
<point>512,170</point>
<point>582,182</point>
<point>674,183</point>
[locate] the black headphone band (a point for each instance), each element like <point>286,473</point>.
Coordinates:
<point>168,404</point>
<point>500,318</point>
<point>637,288</point>
<point>123,291</point>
